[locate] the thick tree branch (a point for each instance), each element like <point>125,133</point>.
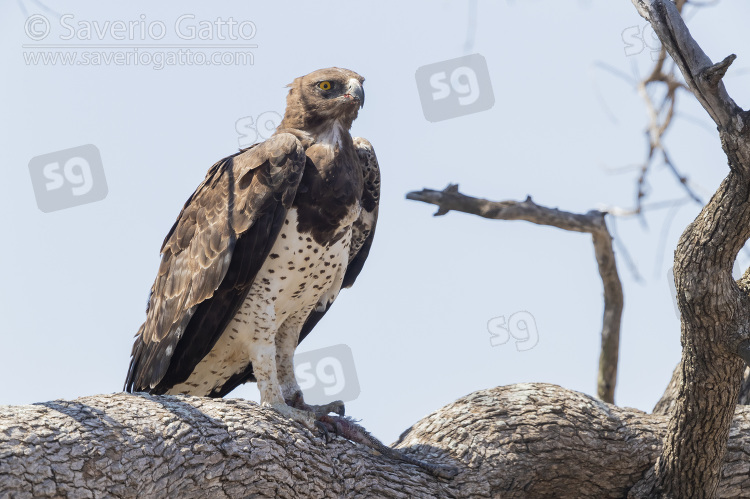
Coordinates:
<point>714,311</point>
<point>526,440</point>
<point>591,222</point>
<point>667,401</point>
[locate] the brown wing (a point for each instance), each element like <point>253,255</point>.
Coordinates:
<point>211,256</point>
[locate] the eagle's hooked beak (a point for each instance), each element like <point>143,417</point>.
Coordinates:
<point>355,91</point>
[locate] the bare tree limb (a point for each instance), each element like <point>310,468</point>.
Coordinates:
<point>591,222</point>
<point>658,126</point>
<point>520,441</point>
<point>714,310</point>
<point>660,119</point>
<point>702,76</point>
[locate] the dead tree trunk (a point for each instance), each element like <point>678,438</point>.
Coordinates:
<point>714,310</point>
<point>526,440</point>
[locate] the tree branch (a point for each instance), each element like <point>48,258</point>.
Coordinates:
<point>508,441</point>
<point>591,222</point>
<point>667,401</point>
<point>695,65</point>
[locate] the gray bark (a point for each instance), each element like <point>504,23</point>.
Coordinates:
<point>526,440</point>
<point>667,401</point>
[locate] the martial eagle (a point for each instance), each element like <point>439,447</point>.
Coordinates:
<point>259,253</point>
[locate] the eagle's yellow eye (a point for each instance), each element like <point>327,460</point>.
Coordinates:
<point>324,85</point>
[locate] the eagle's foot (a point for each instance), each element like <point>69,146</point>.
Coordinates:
<point>307,418</point>
<point>298,402</point>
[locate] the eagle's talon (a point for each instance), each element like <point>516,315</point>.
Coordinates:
<point>337,407</point>
<point>298,402</point>
<point>341,410</point>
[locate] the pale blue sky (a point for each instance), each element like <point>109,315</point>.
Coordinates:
<point>75,281</point>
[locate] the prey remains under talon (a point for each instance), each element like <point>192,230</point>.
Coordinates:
<point>349,429</point>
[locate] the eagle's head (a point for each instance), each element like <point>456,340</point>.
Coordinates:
<point>324,97</point>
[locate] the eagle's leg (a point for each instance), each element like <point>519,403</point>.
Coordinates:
<point>286,342</point>
<point>263,357</point>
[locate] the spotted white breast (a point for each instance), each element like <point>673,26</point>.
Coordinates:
<point>298,275</point>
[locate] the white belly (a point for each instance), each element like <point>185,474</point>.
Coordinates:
<point>298,274</point>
